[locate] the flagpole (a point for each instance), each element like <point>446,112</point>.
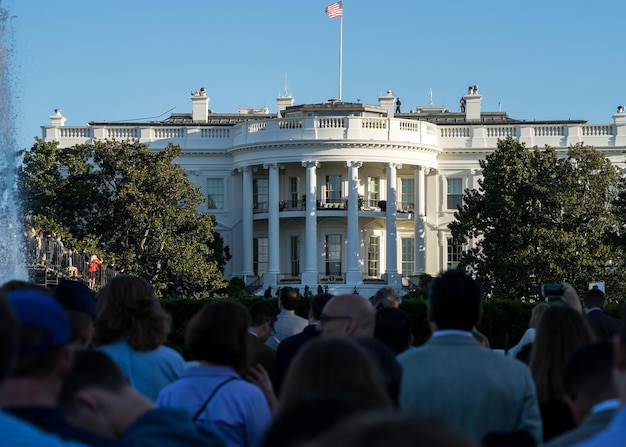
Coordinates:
<point>340,50</point>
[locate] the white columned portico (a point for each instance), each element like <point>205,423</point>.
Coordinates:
<point>420,221</point>
<point>309,274</point>
<point>391,266</point>
<point>353,274</point>
<point>247,222</point>
<point>273,227</point>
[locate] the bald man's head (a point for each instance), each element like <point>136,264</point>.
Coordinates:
<point>351,315</point>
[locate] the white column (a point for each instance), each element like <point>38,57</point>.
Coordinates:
<point>420,221</point>
<point>247,222</point>
<point>353,275</point>
<point>273,227</point>
<point>309,274</point>
<point>391,265</point>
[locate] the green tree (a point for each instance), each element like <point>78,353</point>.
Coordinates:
<point>537,217</point>
<point>132,205</point>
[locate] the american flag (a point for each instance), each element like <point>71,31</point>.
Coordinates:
<point>335,10</point>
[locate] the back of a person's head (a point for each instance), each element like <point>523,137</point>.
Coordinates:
<point>561,331</point>
<point>536,314</point>
<point>261,312</point>
<point>8,336</point>
<point>334,366</point>
<point>217,333</point>
<point>318,302</point>
<point>455,300</point>
<point>127,307</point>
<point>92,369</point>
<point>382,429</point>
<point>289,298</point>
<point>79,302</point>
<point>386,297</point>
<point>387,364</point>
<point>304,419</point>
<point>588,373</point>
<point>358,309</point>
<point>393,328</point>
<point>43,333</point>
<point>18,284</point>
<point>594,298</point>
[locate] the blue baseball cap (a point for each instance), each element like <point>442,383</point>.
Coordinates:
<point>41,311</point>
<point>75,295</point>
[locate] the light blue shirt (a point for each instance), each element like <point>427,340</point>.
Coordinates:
<point>238,413</point>
<point>150,371</point>
<point>17,433</point>
<point>613,436</point>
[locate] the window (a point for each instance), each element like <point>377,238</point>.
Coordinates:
<point>454,253</point>
<point>261,194</point>
<point>407,197</point>
<point>294,184</point>
<point>333,189</point>
<point>260,255</point>
<point>373,256</point>
<point>215,193</point>
<point>455,193</point>
<point>333,254</point>
<point>373,191</point>
<point>408,256</point>
<point>295,255</point>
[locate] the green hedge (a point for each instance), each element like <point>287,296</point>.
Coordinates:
<point>503,322</point>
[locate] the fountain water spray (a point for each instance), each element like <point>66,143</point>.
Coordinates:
<point>12,250</point>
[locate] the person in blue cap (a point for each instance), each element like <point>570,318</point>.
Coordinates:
<point>43,359</point>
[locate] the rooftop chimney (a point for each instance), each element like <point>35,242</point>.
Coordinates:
<point>472,103</point>
<point>57,119</point>
<point>387,102</point>
<point>283,102</point>
<point>200,106</point>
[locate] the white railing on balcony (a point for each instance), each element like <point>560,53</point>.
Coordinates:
<point>501,131</point>
<point>122,133</point>
<point>215,132</point>
<point>373,129</point>
<point>75,132</point>
<point>333,123</point>
<point>161,133</point>
<point>290,124</point>
<point>455,132</point>
<point>592,130</point>
<point>410,126</point>
<point>549,131</point>
<point>374,123</point>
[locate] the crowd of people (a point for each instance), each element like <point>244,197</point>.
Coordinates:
<point>47,251</point>
<point>80,368</point>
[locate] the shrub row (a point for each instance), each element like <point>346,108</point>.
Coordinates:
<point>503,322</point>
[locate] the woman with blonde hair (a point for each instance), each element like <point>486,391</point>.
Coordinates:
<point>132,328</point>
<point>529,336</point>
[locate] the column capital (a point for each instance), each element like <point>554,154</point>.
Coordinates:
<point>431,171</point>
<point>310,164</point>
<point>271,166</point>
<point>393,165</point>
<point>244,169</point>
<point>476,171</point>
<point>354,164</point>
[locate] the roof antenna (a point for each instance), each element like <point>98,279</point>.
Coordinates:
<point>430,97</point>
<point>285,94</point>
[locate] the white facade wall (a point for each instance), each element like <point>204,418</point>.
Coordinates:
<point>332,143</point>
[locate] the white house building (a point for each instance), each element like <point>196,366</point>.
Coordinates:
<point>341,194</point>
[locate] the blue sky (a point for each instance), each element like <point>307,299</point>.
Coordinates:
<point>120,60</point>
